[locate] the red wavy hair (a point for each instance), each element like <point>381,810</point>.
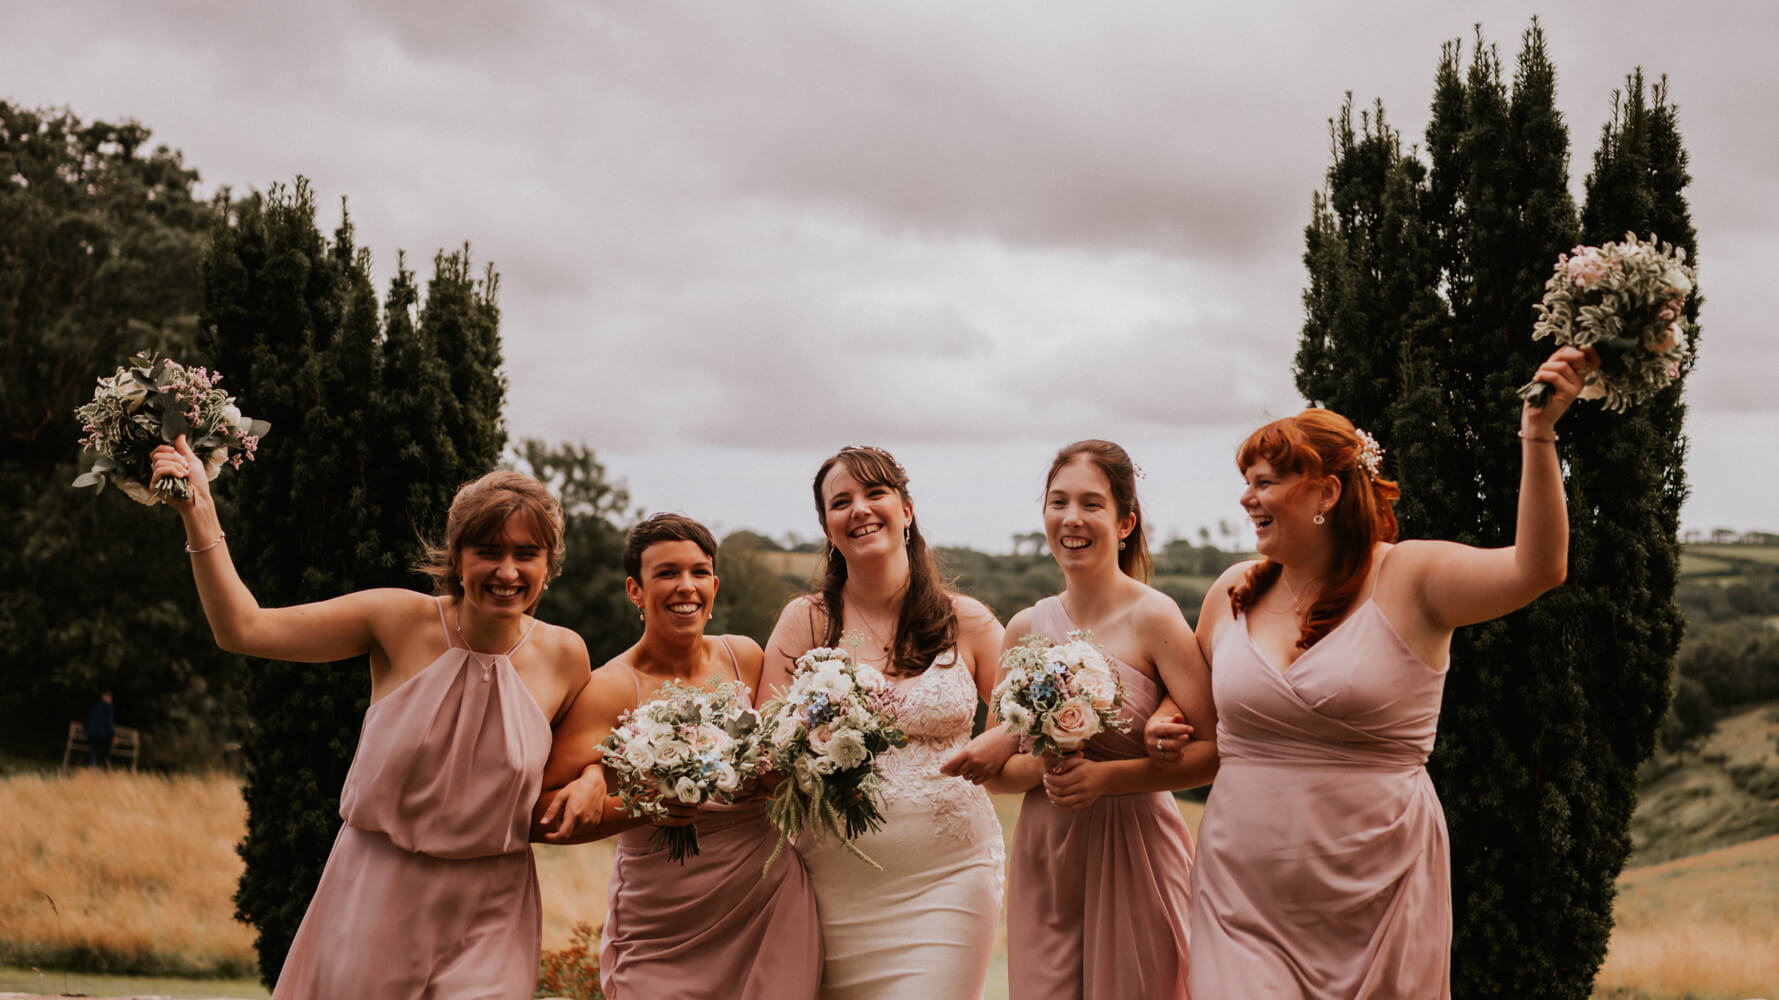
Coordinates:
<point>1320,443</point>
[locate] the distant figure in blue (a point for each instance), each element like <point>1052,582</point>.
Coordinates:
<point>101,729</point>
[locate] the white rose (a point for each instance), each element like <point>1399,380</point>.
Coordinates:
<point>1072,723</point>
<point>1677,282</point>
<point>639,755</point>
<point>821,739</point>
<point>825,766</point>
<point>871,677</point>
<point>709,737</point>
<point>786,730</point>
<point>686,790</point>
<point>670,752</point>
<point>727,778</point>
<point>830,679</point>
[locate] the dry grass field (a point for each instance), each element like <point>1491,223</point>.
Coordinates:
<point>141,870</point>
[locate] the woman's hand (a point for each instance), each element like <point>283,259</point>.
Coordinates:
<point>178,461</point>
<point>983,757</point>
<point>577,805</point>
<point>1164,736</point>
<point>678,813</point>
<point>1565,371</point>
<point>1073,782</point>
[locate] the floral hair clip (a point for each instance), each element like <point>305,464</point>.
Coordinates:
<point>1371,454</point>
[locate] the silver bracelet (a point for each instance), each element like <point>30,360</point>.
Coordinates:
<point>220,535</point>
<point>1549,440</point>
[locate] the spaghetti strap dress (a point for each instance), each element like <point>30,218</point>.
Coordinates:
<point>1324,866</point>
<point>712,927</point>
<point>430,890</point>
<point>1098,898</point>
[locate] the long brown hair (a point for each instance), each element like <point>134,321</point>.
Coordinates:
<point>927,625</point>
<point>1321,443</point>
<point>1133,553</point>
<point>479,512</point>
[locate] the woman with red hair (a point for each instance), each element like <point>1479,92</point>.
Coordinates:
<point>1323,867</point>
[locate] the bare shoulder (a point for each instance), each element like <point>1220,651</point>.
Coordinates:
<point>567,650</point>
<point>1019,626</point>
<point>972,615</point>
<point>1234,575</point>
<point>1156,608</point>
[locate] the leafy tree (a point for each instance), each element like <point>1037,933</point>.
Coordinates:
<point>589,595</point>
<point>100,240</point>
<point>1417,321</point>
<point>373,439</point>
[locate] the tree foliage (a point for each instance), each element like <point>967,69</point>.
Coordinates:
<point>1418,315</point>
<point>379,417</point>
<point>100,239</point>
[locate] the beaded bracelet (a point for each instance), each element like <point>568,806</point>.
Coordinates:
<point>220,535</point>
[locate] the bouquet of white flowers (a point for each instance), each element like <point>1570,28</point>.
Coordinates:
<point>150,404</point>
<point>1058,695</point>
<point>687,744</point>
<point>823,735</point>
<point>1625,301</point>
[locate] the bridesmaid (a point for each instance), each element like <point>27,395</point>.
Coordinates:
<point>711,926</point>
<point>1097,895</point>
<point>1325,870</point>
<point>923,927</point>
<point>430,889</point>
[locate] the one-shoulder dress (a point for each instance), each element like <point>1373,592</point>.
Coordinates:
<point>712,927</point>
<point>924,927</point>
<point>1324,868</point>
<point>430,890</point>
<point>1097,898</point>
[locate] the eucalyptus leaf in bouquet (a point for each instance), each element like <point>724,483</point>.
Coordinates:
<point>150,403</point>
<point>1625,301</point>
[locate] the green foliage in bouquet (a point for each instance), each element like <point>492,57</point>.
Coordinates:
<point>151,403</point>
<point>1624,300</point>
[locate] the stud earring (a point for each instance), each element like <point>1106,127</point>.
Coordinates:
<point>1121,545</point>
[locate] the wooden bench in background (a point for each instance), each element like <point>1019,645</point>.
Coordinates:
<point>125,744</point>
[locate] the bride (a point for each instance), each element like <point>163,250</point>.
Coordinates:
<point>923,927</point>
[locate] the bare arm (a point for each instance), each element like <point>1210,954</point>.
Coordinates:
<point>1458,585</point>
<point>1181,665</point>
<point>1167,732</point>
<point>573,766</point>
<point>793,636</point>
<point>336,629</point>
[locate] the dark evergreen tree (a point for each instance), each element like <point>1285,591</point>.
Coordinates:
<point>1421,327</point>
<point>99,261</point>
<point>589,595</point>
<point>330,508</point>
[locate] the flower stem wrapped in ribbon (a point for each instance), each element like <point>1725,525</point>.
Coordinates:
<point>149,404</point>
<point>824,734</point>
<point>687,744</point>
<point>1625,301</point>
<point>1058,696</point>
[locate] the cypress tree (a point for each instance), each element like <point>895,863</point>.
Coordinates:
<point>362,470</point>
<point>1548,711</point>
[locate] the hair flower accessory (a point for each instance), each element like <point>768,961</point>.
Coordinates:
<point>1371,454</point>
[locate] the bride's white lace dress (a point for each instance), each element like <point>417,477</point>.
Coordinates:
<point>923,927</point>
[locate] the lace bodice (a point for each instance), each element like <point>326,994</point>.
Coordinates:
<point>938,709</point>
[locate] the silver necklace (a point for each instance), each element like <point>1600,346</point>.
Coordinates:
<point>1296,602</point>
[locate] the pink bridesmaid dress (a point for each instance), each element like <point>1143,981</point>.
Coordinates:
<point>1323,865</point>
<point>1097,898</point>
<point>430,890</point>
<point>712,927</point>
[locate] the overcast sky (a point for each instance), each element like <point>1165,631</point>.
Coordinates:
<point>733,237</point>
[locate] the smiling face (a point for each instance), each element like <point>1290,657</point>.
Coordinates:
<point>1283,507</point>
<point>504,575</point>
<point>675,588</point>
<point>862,520</point>
<point>1081,520</point>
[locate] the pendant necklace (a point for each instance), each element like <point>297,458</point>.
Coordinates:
<point>474,656</point>
<point>1296,602</point>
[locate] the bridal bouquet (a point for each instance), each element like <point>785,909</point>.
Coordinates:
<point>824,734</point>
<point>150,404</point>
<point>688,745</point>
<point>1058,695</point>
<point>1624,300</point>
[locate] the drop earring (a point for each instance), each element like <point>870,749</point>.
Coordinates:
<point>1319,519</point>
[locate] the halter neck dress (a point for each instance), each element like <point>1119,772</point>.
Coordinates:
<point>430,890</point>
<point>1097,898</point>
<point>1324,866</point>
<point>712,927</point>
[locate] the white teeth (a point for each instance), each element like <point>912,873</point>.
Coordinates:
<point>869,529</point>
<point>503,591</point>
<point>1074,543</point>
<point>683,609</point>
